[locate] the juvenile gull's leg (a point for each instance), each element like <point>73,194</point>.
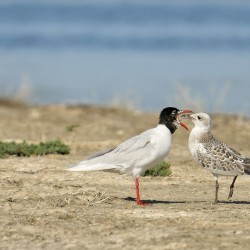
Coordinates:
<point>216,189</point>
<point>232,187</point>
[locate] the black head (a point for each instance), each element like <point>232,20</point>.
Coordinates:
<point>168,117</point>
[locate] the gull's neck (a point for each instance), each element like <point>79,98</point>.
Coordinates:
<point>199,133</point>
<point>162,128</point>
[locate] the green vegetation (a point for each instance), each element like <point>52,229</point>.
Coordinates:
<point>72,128</point>
<point>25,149</point>
<point>161,169</point>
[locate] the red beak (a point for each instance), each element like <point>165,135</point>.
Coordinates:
<point>183,125</point>
<point>184,113</point>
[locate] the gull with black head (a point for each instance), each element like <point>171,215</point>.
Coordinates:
<point>139,153</point>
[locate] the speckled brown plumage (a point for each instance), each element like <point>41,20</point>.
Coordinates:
<point>214,155</point>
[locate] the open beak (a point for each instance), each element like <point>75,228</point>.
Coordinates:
<point>184,114</point>
<point>192,117</point>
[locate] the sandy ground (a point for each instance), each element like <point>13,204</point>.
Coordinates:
<point>42,206</point>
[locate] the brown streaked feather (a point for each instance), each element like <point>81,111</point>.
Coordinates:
<point>219,158</point>
<point>246,165</point>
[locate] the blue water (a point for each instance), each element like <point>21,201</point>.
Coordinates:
<point>148,54</point>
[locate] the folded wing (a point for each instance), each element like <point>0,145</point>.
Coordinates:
<point>126,155</point>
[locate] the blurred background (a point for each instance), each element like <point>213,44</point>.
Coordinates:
<point>139,54</point>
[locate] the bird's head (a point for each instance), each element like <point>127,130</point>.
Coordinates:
<point>171,118</point>
<point>202,121</point>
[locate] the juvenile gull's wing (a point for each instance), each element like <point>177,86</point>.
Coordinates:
<point>219,158</point>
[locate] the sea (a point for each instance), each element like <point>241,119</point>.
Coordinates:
<point>141,54</point>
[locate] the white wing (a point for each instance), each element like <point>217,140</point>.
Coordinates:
<point>131,153</point>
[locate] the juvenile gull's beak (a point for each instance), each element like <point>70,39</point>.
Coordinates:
<point>192,117</point>
<point>184,114</point>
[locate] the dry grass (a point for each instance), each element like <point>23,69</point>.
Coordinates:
<point>196,101</point>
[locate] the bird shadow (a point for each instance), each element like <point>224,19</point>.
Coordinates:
<point>234,202</point>
<point>155,201</point>
<point>186,202</point>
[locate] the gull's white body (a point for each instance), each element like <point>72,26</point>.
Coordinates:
<point>139,153</point>
<point>134,156</point>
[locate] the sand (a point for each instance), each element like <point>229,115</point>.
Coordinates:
<point>42,206</point>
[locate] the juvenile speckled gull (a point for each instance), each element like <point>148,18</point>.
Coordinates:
<point>214,155</point>
<point>139,153</point>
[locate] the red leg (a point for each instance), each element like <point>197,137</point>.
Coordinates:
<point>138,199</point>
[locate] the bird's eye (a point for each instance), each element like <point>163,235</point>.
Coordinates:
<point>199,118</point>
<point>173,113</point>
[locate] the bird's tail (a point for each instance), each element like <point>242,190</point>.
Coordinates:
<point>89,166</point>
<point>94,162</point>
<point>246,164</point>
